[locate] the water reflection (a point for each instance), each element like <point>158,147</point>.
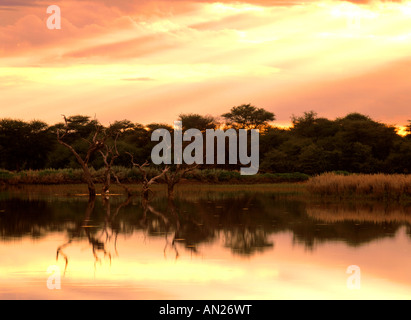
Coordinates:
<point>97,240</point>
<point>244,225</point>
<point>251,226</point>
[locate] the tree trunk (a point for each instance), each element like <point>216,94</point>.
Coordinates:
<point>171,191</point>
<point>86,172</point>
<point>89,180</point>
<point>107,182</point>
<point>146,193</point>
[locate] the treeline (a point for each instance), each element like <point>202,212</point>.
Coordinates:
<point>355,143</point>
<point>313,145</point>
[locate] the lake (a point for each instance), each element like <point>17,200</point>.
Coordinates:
<point>212,242</point>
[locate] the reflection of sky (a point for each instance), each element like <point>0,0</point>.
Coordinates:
<point>124,59</point>
<point>142,271</point>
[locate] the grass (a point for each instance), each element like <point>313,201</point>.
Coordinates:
<point>378,186</point>
<point>132,175</point>
<point>336,184</point>
<point>218,175</point>
<point>186,192</point>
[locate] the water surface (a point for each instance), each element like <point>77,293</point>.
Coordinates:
<point>210,243</point>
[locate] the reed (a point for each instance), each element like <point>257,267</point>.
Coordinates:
<point>380,186</point>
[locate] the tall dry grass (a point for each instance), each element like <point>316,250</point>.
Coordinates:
<point>381,186</point>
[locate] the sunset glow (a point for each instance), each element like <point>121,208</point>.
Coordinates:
<point>149,61</point>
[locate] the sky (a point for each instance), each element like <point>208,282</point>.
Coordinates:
<point>151,60</point>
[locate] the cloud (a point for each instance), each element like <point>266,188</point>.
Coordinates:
<point>19,3</point>
<point>138,79</point>
<point>382,92</point>
<point>204,57</point>
<point>127,4</point>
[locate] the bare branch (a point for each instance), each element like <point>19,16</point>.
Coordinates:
<point>146,182</point>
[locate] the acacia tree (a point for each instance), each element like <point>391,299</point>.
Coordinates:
<point>248,117</point>
<point>95,143</point>
<point>408,129</point>
<point>196,121</point>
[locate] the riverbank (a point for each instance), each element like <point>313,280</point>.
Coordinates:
<point>133,175</point>
<point>331,186</point>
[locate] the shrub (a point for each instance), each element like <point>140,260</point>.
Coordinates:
<point>5,175</point>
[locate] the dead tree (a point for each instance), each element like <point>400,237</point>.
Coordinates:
<point>96,143</point>
<point>109,155</point>
<point>147,183</point>
<point>174,177</point>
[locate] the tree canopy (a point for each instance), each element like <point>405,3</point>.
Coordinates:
<point>196,121</point>
<point>247,116</point>
<point>312,145</point>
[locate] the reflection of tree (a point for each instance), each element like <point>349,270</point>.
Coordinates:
<point>244,225</point>
<point>98,242</point>
<point>190,229</point>
<point>178,229</point>
<point>162,223</point>
<point>176,222</point>
<point>22,217</point>
<point>354,223</point>
<point>246,240</point>
<point>158,224</point>
<point>110,228</point>
<point>194,226</point>
<point>242,230</point>
<point>242,222</point>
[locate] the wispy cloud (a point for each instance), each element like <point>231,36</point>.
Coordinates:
<point>204,56</point>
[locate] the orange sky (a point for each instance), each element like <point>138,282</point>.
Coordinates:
<point>149,61</point>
